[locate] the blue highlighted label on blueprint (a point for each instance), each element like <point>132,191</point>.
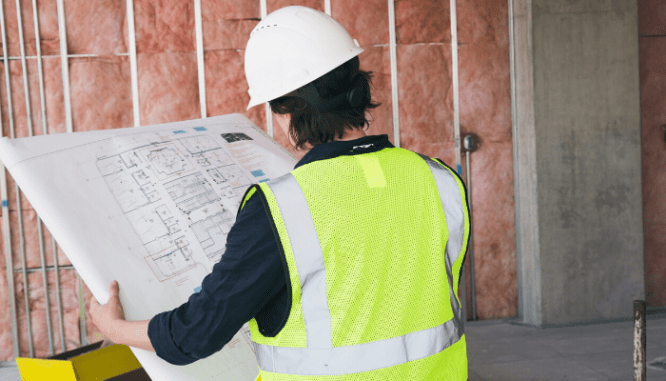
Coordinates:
<point>179,132</point>
<point>264,180</point>
<point>197,289</point>
<point>258,173</point>
<point>5,203</point>
<point>200,129</point>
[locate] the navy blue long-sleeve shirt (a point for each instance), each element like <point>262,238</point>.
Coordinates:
<point>248,282</point>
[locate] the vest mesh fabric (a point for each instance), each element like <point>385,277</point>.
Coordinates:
<point>382,230</point>
<point>383,246</point>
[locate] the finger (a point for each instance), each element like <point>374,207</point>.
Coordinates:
<point>115,289</point>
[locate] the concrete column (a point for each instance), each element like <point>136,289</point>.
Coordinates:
<point>578,160</point>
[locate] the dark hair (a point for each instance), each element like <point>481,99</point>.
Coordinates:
<point>309,125</point>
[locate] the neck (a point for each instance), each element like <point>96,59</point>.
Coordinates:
<point>352,134</point>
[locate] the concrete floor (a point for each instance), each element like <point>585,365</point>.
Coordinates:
<point>502,350</point>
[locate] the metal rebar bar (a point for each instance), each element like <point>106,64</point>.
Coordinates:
<point>5,200</point>
<point>47,268</point>
<point>83,331</point>
<point>8,258</point>
<point>40,70</point>
<point>26,93</point>
<point>18,58</point>
<point>269,115</point>
<point>456,85</point>
<point>129,4</point>
<point>56,271</point>
<point>64,64</point>
<point>24,67</point>
<point>40,230</point>
<point>26,290</point>
<point>47,302</point>
<point>198,28</point>
<point>640,362</point>
<point>470,245</point>
<point>393,50</point>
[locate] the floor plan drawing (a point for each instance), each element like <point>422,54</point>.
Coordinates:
<point>156,227</point>
<point>166,160</point>
<point>214,158</point>
<point>130,158</point>
<point>206,152</point>
<point>132,190</point>
<point>172,262</point>
<point>178,191</point>
<point>212,233</point>
<point>191,192</point>
<point>228,193</point>
<point>233,177</point>
<point>151,207</point>
<point>200,143</point>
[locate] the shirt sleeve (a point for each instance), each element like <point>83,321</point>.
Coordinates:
<point>248,277</point>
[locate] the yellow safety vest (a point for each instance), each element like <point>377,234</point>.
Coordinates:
<point>374,244</point>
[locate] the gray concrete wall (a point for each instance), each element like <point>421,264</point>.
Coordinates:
<point>524,161</point>
<point>588,160</point>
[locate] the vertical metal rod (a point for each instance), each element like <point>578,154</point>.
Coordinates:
<point>133,66</point>
<point>47,302</point>
<point>24,67</point>
<point>83,331</point>
<point>62,34</point>
<point>470,247</point>
<point>200,57</point>
<point>19,211</point>
<point>8,259</point>
<point>40,231</point>
<point>269,120</point>
<point>24,272</point>
<point>394,74</point>
<point>64,63</point>
<point>327,7</point>
<point>512,64</point>
<point>263,8</point>
<point>514,113</point>
<point>40,70</point>
<point>56,271</point>
<point>269,114</point>
<point>5,201</point>
<point>640,362</point>
<point>456,84</point>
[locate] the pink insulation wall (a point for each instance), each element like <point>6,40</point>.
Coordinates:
<point>101,98</point>
<point>652,42</point>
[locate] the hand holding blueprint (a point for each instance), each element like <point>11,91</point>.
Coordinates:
<point>150,207</point>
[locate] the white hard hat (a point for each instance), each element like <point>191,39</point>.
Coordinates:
<point>292,47</point>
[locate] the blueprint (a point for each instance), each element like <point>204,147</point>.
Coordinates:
<point>150,207</point>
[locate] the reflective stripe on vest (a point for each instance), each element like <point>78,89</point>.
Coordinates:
<point>455,221</point>
<point>320,357</point>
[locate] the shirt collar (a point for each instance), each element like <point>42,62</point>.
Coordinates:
<point>337,148</point>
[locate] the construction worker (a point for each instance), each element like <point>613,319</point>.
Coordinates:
<point>348,267</point>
